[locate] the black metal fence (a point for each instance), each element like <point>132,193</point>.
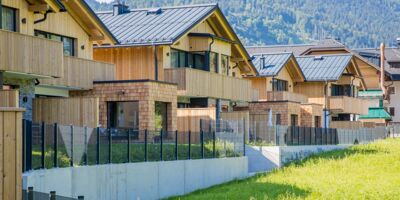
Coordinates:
<point>53,145</point>
<point>30,194</point>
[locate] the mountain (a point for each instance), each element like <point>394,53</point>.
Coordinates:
<point>357,23</point>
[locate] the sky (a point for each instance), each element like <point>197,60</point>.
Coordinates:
<point>104,1</point>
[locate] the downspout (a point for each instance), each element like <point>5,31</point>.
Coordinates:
<point>218,108</point>
<point>382,77</point>
<point>326,111</point>
<point>155,63</point>
<point>43,19</point>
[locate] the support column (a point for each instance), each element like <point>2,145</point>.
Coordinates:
<point>326,118</point>
<point>26,96</point>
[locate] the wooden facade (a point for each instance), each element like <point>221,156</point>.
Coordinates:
<point>189,118</point>
<point>198,83</point>
<point>66,111</point>
<point>9,98</point>
<point>11,153</point>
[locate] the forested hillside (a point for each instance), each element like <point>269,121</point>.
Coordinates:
<point>357,23</point>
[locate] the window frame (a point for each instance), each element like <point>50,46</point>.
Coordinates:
<point>111,120</point>
<point>227,64</point>
<point>280,85</point>
<point>48,35</point>
<point>392,111</point>
<point>15,18</point>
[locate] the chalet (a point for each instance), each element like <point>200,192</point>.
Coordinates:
<point>46,51</point>
<point>167,59</point>
<point>333,81</point>
<point>278,73</point>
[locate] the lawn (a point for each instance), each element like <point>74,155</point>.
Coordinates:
<point>369,171</point>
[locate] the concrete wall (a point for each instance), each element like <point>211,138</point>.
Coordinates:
<point>149,180</point>
<point>267,158</point>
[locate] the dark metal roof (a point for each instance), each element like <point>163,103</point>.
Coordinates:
<point>140,27</point>
<point>270,64</point>
<point>323,67</point>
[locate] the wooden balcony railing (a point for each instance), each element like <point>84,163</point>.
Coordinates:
<point>198,83</point>
<point>80,73</point>
<point>286,96</point>
<point>30,55</point>
<point>349,105</point>
<point>9,98</point>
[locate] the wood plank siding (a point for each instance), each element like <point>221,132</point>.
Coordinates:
<point>198,83</point>
<point>11,153</point>
<point>32,55</point>
<point>189,118</point>
<point>286,96</point>
<point>346,104</point>
<point>80,73</point>
<point>9,98</point>
<point>66,111</point>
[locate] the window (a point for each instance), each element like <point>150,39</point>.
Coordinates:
<point>8,18</point>
<point>392,90</point>
<point>317,121</point>
<point>213,62</point>
<point>294,120</point>
<point>224,69</point>
<point>341,90</point>
<point>394,64</point>
<point>278,119</point>
<point>161,116</point>
<point>279,85</point>
<point>68,42</point>
<point>341,117</point>
<point>123,114</point>
<point>392,111</point>
<point>197,60</point>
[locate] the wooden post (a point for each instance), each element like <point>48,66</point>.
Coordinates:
<point>11,153</point>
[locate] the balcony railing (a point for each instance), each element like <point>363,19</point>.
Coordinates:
<point>198,83</point>
<point>286,96</point>
<point>80,73</point>
<point>27,54</point>
<point>349,105</point>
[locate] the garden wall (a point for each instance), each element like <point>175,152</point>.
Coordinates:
<point>270,157</point>
<point>147,180</point>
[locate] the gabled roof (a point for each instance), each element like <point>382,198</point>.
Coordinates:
<point>324,67</point>
<point>272,64</point>
<point>144,27</point>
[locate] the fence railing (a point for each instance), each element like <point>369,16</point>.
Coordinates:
<point>30,194</point>
<point>279,135</point>
<point>53,145</point>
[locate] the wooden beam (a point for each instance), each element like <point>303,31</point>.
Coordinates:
<point>39,8</point>
<point>53,5</point>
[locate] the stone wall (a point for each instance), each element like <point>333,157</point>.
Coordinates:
<point>145,92</point>
<point>26,88</point>
<point>285,108</point>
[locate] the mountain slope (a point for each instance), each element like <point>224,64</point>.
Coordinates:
<point>357,23</point>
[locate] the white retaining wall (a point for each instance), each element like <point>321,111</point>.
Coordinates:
<point>262,159</point>
<point>148,180</point>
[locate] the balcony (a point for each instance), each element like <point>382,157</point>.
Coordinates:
<point>286,96</point>
<point>349,105</point>
<point>198,83</point>
<point>80,73</point>
<point>29,55</point>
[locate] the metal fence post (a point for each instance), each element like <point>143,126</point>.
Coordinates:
<point>98,145</point>
<point>189,145</point>
<point>109,146</point>
<point>214,153</point>
<point>27,146</point>
<point>244,137</point>
<point>145,145</point>
<point>161,145</point>
<point>30,193</point>
<point>85,147</point>
<point>176,145</point>
<point>72,146</point>
<point>52,195</point>
<point>129,146</point>
<point>201,144</point>
<point>81,197</point>
<point>43,136</point>
<point>55,145</point>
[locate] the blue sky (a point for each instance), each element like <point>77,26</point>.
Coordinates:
<point>104,1</point>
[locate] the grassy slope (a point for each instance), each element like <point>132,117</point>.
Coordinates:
<point>362,172</point>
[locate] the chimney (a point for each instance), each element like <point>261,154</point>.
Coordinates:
<point>120,8</point>
<point>382,77</point>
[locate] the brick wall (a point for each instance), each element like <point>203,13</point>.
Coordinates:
<point>285,108</point>
<point>145,92</point>
<point>308,113</point>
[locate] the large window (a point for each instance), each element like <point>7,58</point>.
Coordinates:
<point>123,114</point>
<point>179,59</point>
<point>196,60</point>
<point>8,18</point>
<point>161,116</point>
<point>68,42</point>
<point>279,85</point>
<point>341,90</point>
<point>224,69</point>
<point>213,62</point>
<point>294,120</point>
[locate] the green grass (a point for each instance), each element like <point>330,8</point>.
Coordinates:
<point>369,171</point>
